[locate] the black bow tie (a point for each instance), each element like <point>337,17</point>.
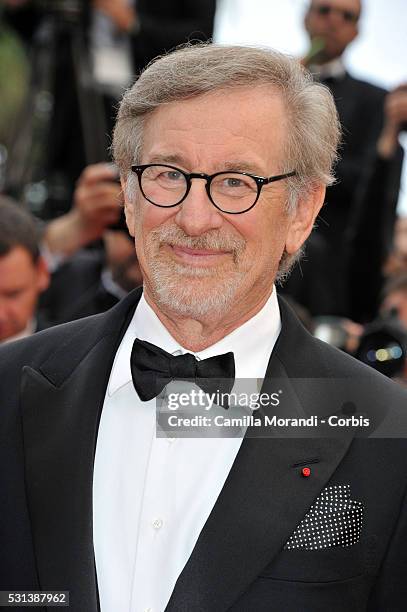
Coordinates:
<point>152,369</point>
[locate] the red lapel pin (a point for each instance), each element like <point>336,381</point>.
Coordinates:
<point>306,471</point>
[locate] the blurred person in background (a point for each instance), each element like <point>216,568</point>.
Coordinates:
<point>92,280</point>
<point>367,123</point>
<point>387,335</point>
<point>373,225</point>
<point>23,273</point>
<point>84,54</point>
<point>89,281</point>
<point>382,342</point>
<point>83,281</point>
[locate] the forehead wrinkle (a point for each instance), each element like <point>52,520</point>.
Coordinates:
<point>216,147</point>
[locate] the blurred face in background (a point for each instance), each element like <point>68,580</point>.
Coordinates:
<point>335,22</point>
<point>21,282</point>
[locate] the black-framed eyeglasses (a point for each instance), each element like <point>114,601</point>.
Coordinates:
<point>326,9</point>
<point>230,192</point>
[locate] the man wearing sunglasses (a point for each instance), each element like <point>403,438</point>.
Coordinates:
<point>224,154</point>
<point>332,25</point>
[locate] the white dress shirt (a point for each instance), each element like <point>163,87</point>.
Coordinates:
<point>334,69</point>
<point>152,496</point>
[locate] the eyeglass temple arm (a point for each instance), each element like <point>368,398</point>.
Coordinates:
<point>278,177</point>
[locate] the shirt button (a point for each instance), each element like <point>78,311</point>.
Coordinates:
<point>157,523</point>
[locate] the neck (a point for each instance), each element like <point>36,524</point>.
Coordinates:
<point>198,334</point>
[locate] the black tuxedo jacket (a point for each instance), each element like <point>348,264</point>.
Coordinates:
<point>52,391</point>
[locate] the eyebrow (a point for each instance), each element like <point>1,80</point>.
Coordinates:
<point>241,166</point>
<point>229,165</point>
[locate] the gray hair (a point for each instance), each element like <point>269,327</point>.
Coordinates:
<point>195,70</point>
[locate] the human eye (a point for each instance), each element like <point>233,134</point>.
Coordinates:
<point>14,294</point>
<point>234,184</point>
<point>169,177</point>
<point>173,175</point>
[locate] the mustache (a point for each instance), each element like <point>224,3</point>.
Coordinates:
<point>212,240</point>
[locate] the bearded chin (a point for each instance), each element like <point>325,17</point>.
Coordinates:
<point>193,292</point>
<point>188,290</point>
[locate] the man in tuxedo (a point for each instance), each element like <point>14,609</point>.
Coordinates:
<point>329,285</point>
<point>224,154</point>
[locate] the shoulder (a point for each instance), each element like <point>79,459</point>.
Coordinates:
<point>365,88</point>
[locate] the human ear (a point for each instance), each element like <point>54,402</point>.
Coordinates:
<point>303,218</point>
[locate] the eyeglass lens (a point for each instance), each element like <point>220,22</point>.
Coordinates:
<point>229,191</point>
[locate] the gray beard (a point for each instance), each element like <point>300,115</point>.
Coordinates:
<point>176,286</point>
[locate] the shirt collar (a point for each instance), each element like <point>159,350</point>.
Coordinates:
<point>110,285</point>
<point>334,69</point>
<point>251,343</point>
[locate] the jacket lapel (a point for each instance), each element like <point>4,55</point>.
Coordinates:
<point>61,406</point>
<point>265,496</point>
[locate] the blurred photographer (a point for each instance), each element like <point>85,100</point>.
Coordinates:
<point>382,343</point>
<point>97,204</point>
<point>87,281</point>
<point>84,54</point>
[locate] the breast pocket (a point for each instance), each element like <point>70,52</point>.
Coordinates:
<point>325,565</point>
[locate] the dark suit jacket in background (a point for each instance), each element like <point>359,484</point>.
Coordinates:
<point>325,281</point>
<point>52,391</point>
<point>76,288</point>
<point>165,25</point>
<point>371,235</point>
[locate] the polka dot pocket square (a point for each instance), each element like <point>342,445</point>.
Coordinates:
<point>333,520</point>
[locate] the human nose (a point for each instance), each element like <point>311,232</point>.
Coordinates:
<point>335,16</point>
<point>197,214</point>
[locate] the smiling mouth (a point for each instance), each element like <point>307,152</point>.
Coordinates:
<point>197,257</point>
